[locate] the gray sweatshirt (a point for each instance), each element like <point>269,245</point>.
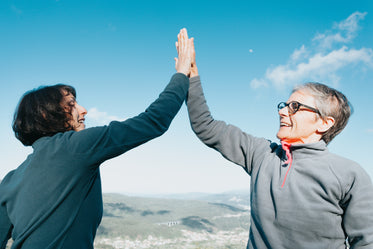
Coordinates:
<point>317,201</point>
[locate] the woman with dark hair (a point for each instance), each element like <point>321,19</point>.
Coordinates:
<point>44,112</point>
<point>53,199</point>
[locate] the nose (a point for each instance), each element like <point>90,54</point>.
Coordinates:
<point>283,112</point>
<point>82,110</point>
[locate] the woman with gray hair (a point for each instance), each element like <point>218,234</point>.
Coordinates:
<point>302,195</point>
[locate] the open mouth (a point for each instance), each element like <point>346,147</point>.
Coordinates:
<point>283,124</point>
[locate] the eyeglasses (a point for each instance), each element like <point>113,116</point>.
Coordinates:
<point>294,106</point>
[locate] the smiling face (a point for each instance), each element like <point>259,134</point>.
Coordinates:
<point>304,126</point>
<point>77,112</point>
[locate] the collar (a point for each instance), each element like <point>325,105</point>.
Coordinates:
<point>304,150</point>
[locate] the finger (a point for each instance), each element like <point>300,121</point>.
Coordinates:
<point>192,43</point>
<point>193,50</point>
<point>185,33</point>
<point>184,37</point>
<point>180,40</point>
<point>190,50</point>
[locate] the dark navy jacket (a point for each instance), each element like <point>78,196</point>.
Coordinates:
<point>53,199</point>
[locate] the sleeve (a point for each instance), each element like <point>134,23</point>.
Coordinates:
<point>358,211</point>
<point>5,227</point>
<point>234,144</point>
<point>103,143</point>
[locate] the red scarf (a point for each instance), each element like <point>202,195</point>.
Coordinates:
<point>286,147</point>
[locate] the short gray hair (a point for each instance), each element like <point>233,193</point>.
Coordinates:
<point>330,103</point>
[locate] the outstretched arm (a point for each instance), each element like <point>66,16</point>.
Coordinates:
<point>103,143</point>
<point>230,141</point>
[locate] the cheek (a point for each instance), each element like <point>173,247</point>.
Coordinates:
<point>74,113</point>
<point>306,126</point>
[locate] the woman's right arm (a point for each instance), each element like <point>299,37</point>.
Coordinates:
<point>230,141</point>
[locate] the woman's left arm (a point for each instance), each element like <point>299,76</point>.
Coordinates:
<point>102,143</point>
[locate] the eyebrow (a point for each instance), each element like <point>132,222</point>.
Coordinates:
<point>71,96</point>
<point>68,99</point>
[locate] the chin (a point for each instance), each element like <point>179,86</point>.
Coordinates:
<point>286,139</point>
<point>80,128</point>
<point>280,136</point>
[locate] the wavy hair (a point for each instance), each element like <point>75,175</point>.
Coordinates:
<point>41,113</point>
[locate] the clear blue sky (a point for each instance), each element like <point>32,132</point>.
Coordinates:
<point>119,55</point>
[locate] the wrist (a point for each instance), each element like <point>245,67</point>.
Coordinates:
<point>193,73</point>
<point>182,72</point>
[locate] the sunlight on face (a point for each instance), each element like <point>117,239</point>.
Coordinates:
<point>77,112</point>
<point>302,126</point>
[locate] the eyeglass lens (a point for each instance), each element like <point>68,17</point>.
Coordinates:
<point>292,106</point>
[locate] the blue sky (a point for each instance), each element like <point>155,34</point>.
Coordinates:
<point>119,55</point>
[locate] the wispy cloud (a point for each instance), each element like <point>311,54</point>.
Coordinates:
<point>324,59</point>
<point>95,117</point>
<point>343,32</point>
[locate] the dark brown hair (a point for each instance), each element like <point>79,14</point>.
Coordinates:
<point>40,113</point>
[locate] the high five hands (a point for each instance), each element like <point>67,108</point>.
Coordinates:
<point>186,61</point>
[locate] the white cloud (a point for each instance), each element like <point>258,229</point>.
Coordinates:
<point>327,40</point>
<point>299,53</point>
<point>343,32</point>
<point>255,83</point>
<point>323,61</point>
<point>325,66</point>
<point>95,117</point>
<point>351,23</point>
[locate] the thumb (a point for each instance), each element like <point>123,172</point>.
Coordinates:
<point>176,60</point>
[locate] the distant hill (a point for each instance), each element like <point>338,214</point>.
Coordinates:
<point>174,221</point>
<point>236,198</point>
<point>196,220</point>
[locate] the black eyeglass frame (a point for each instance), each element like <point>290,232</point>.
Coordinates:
<point>293,110</point>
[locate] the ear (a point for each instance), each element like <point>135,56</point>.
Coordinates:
<point>325,124</point>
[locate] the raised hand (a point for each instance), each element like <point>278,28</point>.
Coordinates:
<point>184,47</point>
